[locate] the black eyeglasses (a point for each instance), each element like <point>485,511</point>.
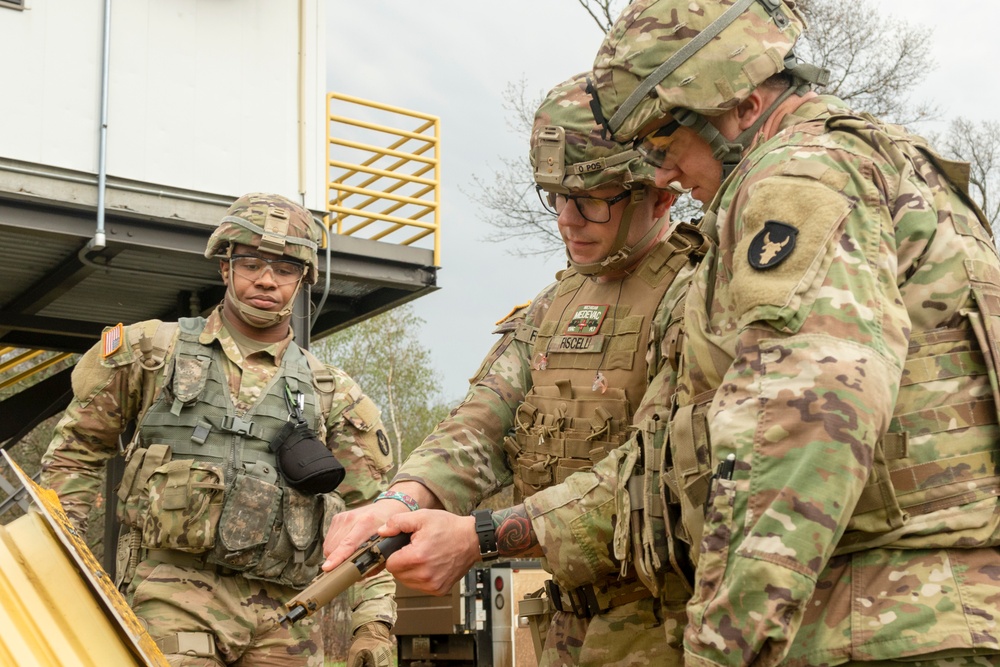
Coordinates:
<point>252,267</point>
<point>593,209</point>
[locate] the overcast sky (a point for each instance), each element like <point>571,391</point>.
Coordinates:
<point>452,58</point>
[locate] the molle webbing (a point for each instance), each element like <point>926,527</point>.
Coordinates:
<point>566,423</point>
<point>260,527</point>
<point>911,477</point>
<point>200,420</point>
<point>689,478</point>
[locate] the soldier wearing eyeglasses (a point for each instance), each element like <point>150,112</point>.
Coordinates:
<point>574,374</point>
<point>245,446</point>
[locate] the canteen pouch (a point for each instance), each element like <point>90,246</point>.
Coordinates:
<point>306,464</point>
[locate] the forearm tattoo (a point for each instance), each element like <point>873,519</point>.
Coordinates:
<point>515,536</point>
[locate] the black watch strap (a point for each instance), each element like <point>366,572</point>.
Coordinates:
<point>487,535</point>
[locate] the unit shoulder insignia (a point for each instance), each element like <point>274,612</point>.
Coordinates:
<point>772,245</point>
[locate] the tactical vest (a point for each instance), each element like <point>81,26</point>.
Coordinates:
<point>202,480</point>
<point>589,367</point>
<point>934,481</point>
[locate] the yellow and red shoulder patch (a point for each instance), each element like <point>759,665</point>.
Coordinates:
<point>513,311</point>
<point>111,340</point>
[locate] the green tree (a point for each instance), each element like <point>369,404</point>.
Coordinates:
<point>385,357</point>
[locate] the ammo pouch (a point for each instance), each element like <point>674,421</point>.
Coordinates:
<point>561,430</point>
<point>307,465</point>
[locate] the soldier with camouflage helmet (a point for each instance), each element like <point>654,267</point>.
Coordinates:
<point>241,437</point>
<point>834,437</point>
<point>573,372</point>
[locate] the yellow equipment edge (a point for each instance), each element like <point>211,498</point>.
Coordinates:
<point>130,628</point>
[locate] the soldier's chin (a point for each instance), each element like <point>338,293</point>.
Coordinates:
<point>263,320</point>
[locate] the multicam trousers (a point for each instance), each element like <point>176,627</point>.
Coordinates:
<point>240,614</point>
<point>631,635</point>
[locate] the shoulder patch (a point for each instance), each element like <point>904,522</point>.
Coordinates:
<point>771,245</point>
<point>363,414</point>
<point>111,340</point>
<point>767,275</point>
<point>383,442</point>
<point>513,312</point>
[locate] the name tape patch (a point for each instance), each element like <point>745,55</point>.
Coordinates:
<point>577,344</point>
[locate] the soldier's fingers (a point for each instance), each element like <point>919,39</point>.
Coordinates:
<point>345,545</point>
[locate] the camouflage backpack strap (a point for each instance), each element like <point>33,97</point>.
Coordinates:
<point>324,382</point>
<point>690,476</point>
<point>892,138</point>
<point>154,352</point>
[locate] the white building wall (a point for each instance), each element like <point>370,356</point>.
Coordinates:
<point>204,94</point>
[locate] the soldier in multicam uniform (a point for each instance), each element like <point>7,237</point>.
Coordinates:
<point>219,530</point>
<point>834,438</point>
<point>589,358</point>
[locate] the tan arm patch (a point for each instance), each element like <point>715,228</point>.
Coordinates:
<point>90,375</point>
<point>363,414</point>
<point>816,211</point>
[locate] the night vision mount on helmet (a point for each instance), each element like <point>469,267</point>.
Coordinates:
<point>569,154</point>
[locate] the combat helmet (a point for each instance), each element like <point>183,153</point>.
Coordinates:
<point>272,224</point>
<point>569,153</point>
<point>681,61</point>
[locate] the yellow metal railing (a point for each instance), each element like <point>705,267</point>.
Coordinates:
<point>384,181</point>
<point>12,358</point>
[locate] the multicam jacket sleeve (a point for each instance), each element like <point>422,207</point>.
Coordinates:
<point>356,436</point>
<point>463,461</point>
<point>815,323</point>
<point>107,395</point>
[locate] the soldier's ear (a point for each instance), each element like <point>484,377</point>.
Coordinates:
<point>750,109</point>
<point>224,271</point>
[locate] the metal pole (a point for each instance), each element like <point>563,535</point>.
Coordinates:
<point>98,242</point>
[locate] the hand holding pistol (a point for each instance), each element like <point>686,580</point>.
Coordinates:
<point>329,585</point>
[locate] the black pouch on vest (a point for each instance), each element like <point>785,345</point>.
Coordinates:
<point>305,462</point>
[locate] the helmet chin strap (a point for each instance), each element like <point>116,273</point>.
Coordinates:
<point>262,319</point>
<point>620,256</point>
<point>730,153</point>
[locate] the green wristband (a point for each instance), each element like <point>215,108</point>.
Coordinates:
<point>404,498</point>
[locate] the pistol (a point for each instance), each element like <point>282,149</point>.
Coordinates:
<point>329,585</point>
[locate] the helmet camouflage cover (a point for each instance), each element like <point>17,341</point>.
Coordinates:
<point>691,68</point>
<point>272,224</point>
<point>568,151</point>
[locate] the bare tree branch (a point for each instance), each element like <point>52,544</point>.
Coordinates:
<point>874,62</point>
<point>979,144</point>
<point>604,12</point>
<point>875,65</point>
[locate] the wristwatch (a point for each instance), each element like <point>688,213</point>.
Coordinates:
<point>487,535</point>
